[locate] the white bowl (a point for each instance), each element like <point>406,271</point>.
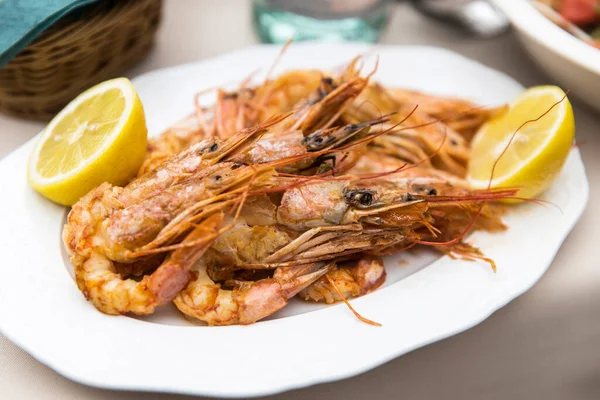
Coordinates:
<point>572,63</point>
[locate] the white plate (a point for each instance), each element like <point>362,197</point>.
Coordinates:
<point>42,311</point>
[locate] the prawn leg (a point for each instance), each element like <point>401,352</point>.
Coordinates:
<point>248,302</point>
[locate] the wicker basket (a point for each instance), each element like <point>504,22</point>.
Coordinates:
<point>79,51</point>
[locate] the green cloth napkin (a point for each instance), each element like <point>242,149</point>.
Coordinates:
<point>21,21</point>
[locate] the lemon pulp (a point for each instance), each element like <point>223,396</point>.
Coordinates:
<point>536,152</point>
<point>99,137</point>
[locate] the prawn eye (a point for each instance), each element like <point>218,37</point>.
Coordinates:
<point>209,149</point>
<point>328,80</point>
<point>359,197</point>
<point>314,142</point>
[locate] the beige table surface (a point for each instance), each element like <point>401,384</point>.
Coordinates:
<point>545,344</point>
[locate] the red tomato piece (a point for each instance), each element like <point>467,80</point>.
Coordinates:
<point>580,12</point>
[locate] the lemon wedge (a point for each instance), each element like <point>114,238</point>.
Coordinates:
<point>538,150</point>
<point>100,136</point>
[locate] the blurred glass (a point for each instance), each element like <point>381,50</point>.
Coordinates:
<point>476,17</point>
<point>277,21</point>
